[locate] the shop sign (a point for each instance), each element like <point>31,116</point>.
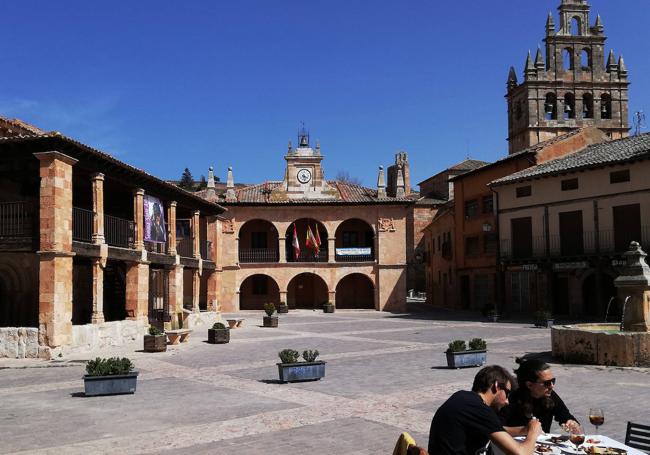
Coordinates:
<point>619,263</point>
<point>524,267</point>
<point>570,265</point>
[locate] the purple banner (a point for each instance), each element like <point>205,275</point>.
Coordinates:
<point>154,220</point>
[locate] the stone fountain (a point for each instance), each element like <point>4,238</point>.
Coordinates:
<point>623,344</point>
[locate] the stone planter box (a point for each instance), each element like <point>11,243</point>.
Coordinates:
<point>218,336</point>
<point>270,321</point>
<point>155,343</point>
<point>301,371</point>
<point>110,385</point>
<point>466,359</point>
<point>283,309</point>
<point>328,308</point>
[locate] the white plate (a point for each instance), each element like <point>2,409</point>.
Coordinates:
<point>554,451</point>
<point>572,450</point>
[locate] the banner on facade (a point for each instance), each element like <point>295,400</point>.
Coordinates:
<point>570,265</point>
<point>354,251</point>
<point>154,220</point>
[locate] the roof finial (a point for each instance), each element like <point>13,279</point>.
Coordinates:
<point>230,187</point>
<point>400,182</point>
<point>622,69</point>
<point>381,183</point>
<point>530,69</point>
<point>210,177</point>
<point>539,61</point>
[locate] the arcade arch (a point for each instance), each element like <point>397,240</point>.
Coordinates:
<point>307,290</point>
<point>256,290</point>
<point>355,290</point>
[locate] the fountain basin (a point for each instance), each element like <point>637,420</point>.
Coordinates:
<point>600,344</point>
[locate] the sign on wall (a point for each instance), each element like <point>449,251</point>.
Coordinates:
<point>353,251</point>
<point>154,220</point>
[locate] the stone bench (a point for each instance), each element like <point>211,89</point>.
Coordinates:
<point>235,323</point>
<point>179,335</point>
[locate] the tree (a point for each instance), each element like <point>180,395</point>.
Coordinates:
<point>187,181</point>
<point>344,176</point>
<point>203,183</point>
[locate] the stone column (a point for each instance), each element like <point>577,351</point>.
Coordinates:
<point>98,291</point>
<point>196,234</point>
<point>212,291</point>
<point>171,223</point>
<point>98,208</point>
<point>283,297</point>
<point>282,245</point>
<point>55,249</point>
<point>332,297</point>
<point>137,290</point>
<point>213,238</point>
<point>138,219</point>
<point>331,249</point>
<point>196,290</point>
<point>175,293</point>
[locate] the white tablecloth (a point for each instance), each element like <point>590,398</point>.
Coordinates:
<point>604,441</point>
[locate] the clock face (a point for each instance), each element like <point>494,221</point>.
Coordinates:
<point>304,175</point>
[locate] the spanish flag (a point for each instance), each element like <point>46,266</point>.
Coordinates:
<point>311,240</point>
<point>296,244</point>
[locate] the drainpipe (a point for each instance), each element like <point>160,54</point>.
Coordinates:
<point>499,273</point>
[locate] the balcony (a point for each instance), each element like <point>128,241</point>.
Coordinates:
<point>184,247</point>
<point>16,219</point>
<point>206,250</point>
<point>118,231</point>
<point>307,256</point>
<point>261,255</point>
<point>529,248</point>
<point>82,224</point>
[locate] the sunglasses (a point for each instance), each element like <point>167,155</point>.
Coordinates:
<point>505,389</point>
<point>548,383</point>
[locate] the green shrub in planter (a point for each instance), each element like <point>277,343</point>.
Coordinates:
<point>289,356</point>
<point>218,334</point>
<point>309,355</point>
<point>109,367</point>
<point>477,344</point>
<point>457,346</point>
<point>153,331</point>
<point>110,376</point>
<point>218,326</point>
<point>269,308</point>
<point>155,341</point>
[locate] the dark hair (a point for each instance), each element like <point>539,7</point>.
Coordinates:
<point>486,378</point>
<point>156,210</point>
<point>529,370</point>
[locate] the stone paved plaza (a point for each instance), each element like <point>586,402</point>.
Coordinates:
<point>385,374</point>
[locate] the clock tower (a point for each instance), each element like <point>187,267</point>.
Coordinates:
<point>304,177</point>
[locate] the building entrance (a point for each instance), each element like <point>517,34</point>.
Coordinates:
<point>307,290</point>
<point>355,291</point>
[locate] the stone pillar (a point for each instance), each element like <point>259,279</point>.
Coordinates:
<point>196,234</point>
<point>282,246</point>
<point>55,249</point>
<point>171,223</point>
<point>332,297</point>
<point>98,208</point>
<point>213,305</point>
<point>137,290</point>
<point>175,292</point>
<point>331,249</point>
<point>196,290</point>
<point>138,219</point>
<point>98,291</point>
<point>213,238</point>
<point>283,297</point>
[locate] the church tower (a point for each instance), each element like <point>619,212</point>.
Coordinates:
<point>573,86</point>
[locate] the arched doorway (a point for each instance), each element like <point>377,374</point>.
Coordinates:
<point>258,242</point>
<point>355,291</point>
<point>355,241</point>
<point>115,291</point>
<point>307,290</point>
<point>307,254</point>
<point>256,290</point>
<point>18,292</point>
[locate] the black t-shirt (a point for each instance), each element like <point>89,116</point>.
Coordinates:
<point>516,414</point>
<point>462,425</point>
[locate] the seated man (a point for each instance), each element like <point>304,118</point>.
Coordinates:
<point>465,423</point>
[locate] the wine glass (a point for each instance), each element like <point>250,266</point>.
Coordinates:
<point>577,439</point>
<point>596,417</point>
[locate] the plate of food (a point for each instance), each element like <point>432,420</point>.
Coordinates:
<point>544,449</point>
<point>600,450</point>
<point>553,439</point>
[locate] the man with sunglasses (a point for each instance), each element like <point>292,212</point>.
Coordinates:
<point>536,396</point>
<point>467,421</point>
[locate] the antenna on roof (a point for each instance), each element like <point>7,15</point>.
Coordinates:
<point>639,122</point>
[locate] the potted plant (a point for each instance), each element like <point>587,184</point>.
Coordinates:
<point>328,307</point>
<point>283,308</point>
<point>218,334</point>
<point>493,316</point>
<point>269,319</point>
<point>290,369</point>
<point>109,376</point>
<point>543,318</point>
<point>458,356</point>
<point>155,341</point>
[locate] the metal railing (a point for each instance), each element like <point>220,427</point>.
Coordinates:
<point>355,257</point>
<point>82,224</point>
<point>118,231</point>
<point>533,247</point>
<point>184,247</point>
<point>251,255</point>
<point>16,219</point>
<point>307,256</point>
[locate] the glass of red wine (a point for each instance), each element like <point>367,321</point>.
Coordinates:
<point>596,417</point>
<point>577,439</point>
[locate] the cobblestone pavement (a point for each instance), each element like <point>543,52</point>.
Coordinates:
<point>385,374</point>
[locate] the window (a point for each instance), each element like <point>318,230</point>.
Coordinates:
<point>488,204</point>
<point>619,176</point>
<point>258,240</point>
<point>585,60</point>
<point>490,243</point>
<point>350,239</point>
<point>522,237</point>
<point>571,234</point>
<point>587,106</point>
<point>524,191</point>
<point>567,59</point>
<point>259,285</point>
<point>471,208</point>
<point>569,184</point>
<point>472,246</point>
<point>627,226</point>
<point>605,106</point>
<point>576,26</point>
<point>550,106</point>
<point>569,106</point>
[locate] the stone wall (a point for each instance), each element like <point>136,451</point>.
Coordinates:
<point>19,343</point>
<point>98,336</point>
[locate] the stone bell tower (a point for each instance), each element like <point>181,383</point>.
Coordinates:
<point>571,86</point>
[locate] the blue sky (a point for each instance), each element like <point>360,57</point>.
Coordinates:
<point>165,85</point>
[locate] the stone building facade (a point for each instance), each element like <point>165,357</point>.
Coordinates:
<point>571,86</point>
<point>361,260</point>
<point>77,269</point>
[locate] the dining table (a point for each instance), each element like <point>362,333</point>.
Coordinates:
<point>568,448</point>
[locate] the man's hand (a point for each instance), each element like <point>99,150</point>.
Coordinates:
<point>573,427</point>
<point>533,429</point>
